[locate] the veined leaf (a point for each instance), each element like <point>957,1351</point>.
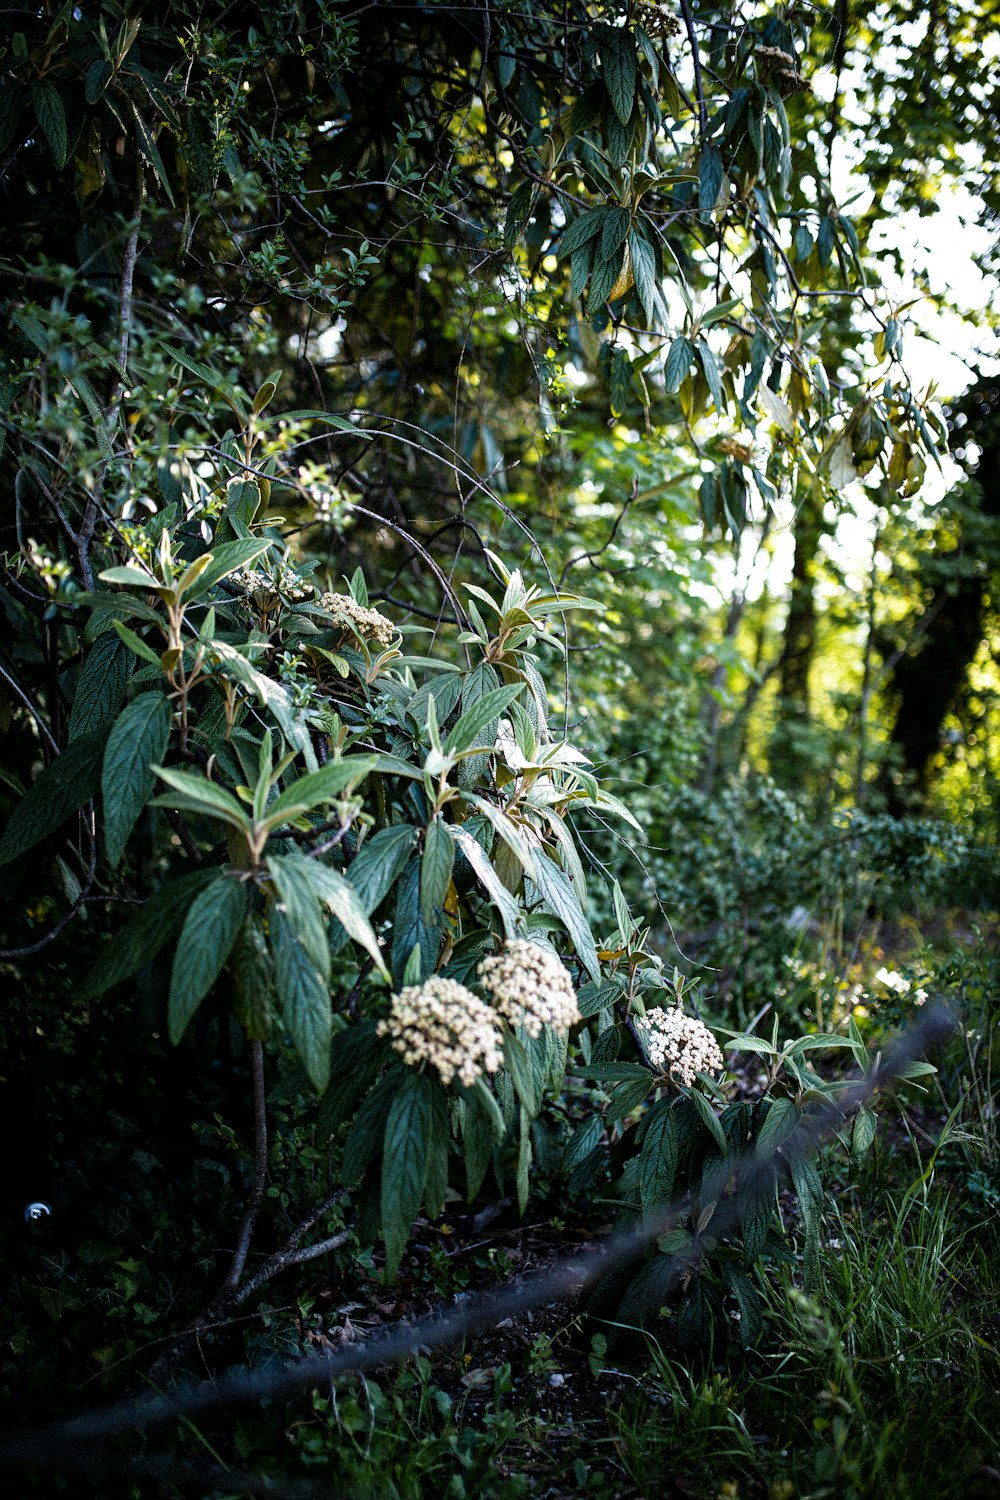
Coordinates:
<point>404,1163</point>
<point>410,932</point>
<point>436,865</point>
<point>51,114</point>
<point>343,900</point>
<point>579,232</point>
<point>229,558</point>
<point>322,786</point>
<point>304,999</point>
<point>644,271</point>
<point>482,1131</point>
<point>487,876</point>
<point>559,898</point>
<point>658,1157</point>
<point>60,790</point>
<point>619,69</point>
<point>710,176</point>
<point>138,740</point>
<point>194,793</point>
<point>710,1120</point>
<point>292,876</point>
<point>680,357</point>
<point>100,688</point>
<point>485,711</point>
<point>356,1056</point>
<point>253,981</point>
<point>209,932</point>
<point>374,870</point>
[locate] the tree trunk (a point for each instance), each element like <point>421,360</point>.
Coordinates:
<point>926,681</point>
<point>788,756</point>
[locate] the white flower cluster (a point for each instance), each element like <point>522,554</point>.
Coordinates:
<point>368,622</point>
<point>680,1045</point>
<point>442,1023</point>
<point>251,581</point>
<point>530,987</point>
<point>893,980</point>
<point>656,18</point>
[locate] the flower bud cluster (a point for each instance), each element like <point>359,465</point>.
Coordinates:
<point>251,581</point>
<point>680,1045</point>
<point>530,987</point>
<point>657,19</point>
<point>445,1025</point>
<point>368,622</point>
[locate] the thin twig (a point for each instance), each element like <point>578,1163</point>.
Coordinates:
<point>699,91</point>
<point>77,905</point>
<point>33,710</point>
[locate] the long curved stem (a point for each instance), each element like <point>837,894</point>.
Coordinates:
<point>260,1170</point>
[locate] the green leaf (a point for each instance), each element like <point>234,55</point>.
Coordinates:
<point>130,578</point>
<point>253,981</point>
<point>712,377</point>
<point>145,933</point>
<point>780,1121</point>
<point>404,1164</point>
<point>523,1161</point>
<point>343,900</point>
<point>603,278</point>
<point>620,70</point>
<point>149,149</point>
<point>755,1209</point>
<point>60,790</point>
<point>644,271</point>
<point>374,870</point>
<point>559,898</point>
<point>209,932</point>
<point>863,1133</point>
<point>482,1131</point>
<point>98,76</point>
<point>679,360</point>
<point>51,114</point>
<point>135,644</point>
<point>613,231</point>
<point>292,876</point>
<point>303,998</point>
<point>658,1157</point>
<point>581,230</point>
<point>190,792</point>
<point>626,1097</point>
<point>710,1120</point>
<point>810,1195</point>
<point>320,787</point>
<point>356,1056</point>
<point>585,1139</point>
<point>743,1289</point>
<point>436,865</point>
<point>409,930</point>
<point>528,1080</point>
<point>365,1137</point>
<point>487,876</point>
<point>710,176</point>
<point>518,210</point>
<point>436,1187</point>
<point>12,97</point>
<point>100,688</point>
<point>229,558</point>
<point>482,714</point>
<point>137,742</point>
